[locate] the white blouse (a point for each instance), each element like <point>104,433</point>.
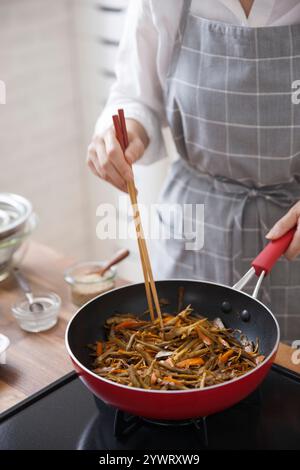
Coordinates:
<point>146,48</point>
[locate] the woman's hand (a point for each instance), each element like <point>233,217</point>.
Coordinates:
<point>105,157</point>
<point>288,221</point>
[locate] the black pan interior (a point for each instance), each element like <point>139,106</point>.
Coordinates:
<point>206,299</point>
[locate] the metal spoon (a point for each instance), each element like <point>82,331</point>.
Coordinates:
<point>34,307</point>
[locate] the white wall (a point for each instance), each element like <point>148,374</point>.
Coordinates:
<point>41,138</point>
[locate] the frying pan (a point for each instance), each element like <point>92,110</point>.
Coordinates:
<point>236,309</point>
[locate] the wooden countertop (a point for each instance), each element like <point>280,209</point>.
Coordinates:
<point>34,360</point>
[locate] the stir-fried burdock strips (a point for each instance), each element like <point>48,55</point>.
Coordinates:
<point>191,352</point>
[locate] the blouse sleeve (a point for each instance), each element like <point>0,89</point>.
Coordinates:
<point>137,87</point>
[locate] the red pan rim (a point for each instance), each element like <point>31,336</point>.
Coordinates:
<point>173,392</point>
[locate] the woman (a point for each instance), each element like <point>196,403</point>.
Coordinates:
<point>220,74</point>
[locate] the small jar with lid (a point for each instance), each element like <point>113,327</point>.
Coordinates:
<point>86,281</point>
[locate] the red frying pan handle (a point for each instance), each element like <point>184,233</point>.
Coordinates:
<point>270,254</point>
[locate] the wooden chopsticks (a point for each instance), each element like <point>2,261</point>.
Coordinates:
<point>122,136</point>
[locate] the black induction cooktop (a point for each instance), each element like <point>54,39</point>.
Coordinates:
<point>65,415</point>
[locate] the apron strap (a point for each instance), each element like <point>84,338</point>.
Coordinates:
<point>179,36</point>
<point>183,19</point>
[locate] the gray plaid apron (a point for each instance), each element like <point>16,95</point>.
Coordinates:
<point>237,133</point>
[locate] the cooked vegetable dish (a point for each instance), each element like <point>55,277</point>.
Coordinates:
<point>190,352</point>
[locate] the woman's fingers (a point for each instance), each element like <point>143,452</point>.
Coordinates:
<point>294,249</point>
<point>92,160</point>
<point>283,225</point>
<point>92,167</point>
<point>106,158</point>
<point>105,170</point>
<point>113,177</point>
<point>114,155</point>
<point>134,150</point>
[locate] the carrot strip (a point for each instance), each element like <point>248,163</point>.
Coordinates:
<point>226,355</point>
<point>118,371</point>
<point>99,348</point>
<point>129,324</point>
<point>170,379</point>
<point>193,361</point>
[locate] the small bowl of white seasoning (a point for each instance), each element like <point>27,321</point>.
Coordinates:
<point>86,281</point>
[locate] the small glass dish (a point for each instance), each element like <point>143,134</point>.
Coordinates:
<point>37,321</point>
<point>86,283</point>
